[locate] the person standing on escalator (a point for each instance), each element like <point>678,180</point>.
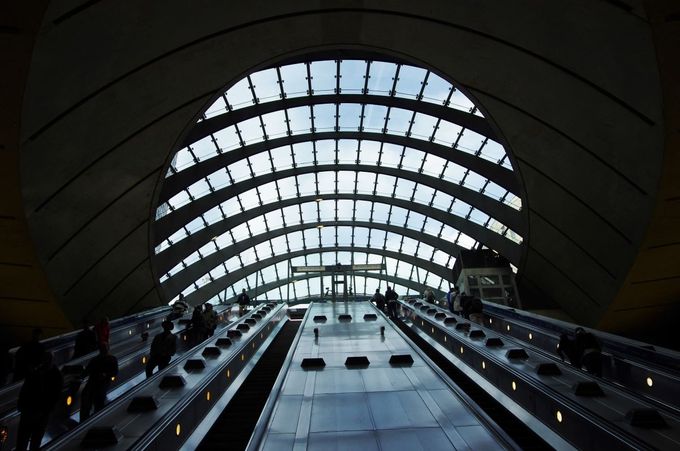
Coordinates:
<point>243,302</point>
<point>391,297</point>
<point>163,347</point>
<point>100,372</point>
<point>37,398</point>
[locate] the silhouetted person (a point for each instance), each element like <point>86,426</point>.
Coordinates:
<point>566,348</point>
<point>379,300</point>
<point>450,297</point>
<point>38,396</point>
<point>391,297</point>
<point>100,371</point>
<point>103,331</point>
<point>588,348</point>
<point>583,351</point>
<point>210,317</point>
<point>163,347</point>
<point>28,356</point>
<point>179,308</point>
<point>86,341</point>
<point>243,302</point>
<point>199,332</point>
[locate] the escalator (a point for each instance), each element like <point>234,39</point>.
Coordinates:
<point>511,425</point>
<point>234,426</point>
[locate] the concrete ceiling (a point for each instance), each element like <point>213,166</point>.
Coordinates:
<point>573,90</point>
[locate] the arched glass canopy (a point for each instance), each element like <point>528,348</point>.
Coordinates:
<point>321,162</point>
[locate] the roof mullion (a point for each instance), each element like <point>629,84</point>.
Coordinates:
<point>395,79</point>
<point>252,90</point>
<point>279,81</point>
<point>337,76</point>
<point>423,84</point>
<point>310,91</point>
<point>312,124</point>
<point>367,75</point>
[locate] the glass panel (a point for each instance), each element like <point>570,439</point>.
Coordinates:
<point>434,165</point>
<point>369,152</point>
<point>204,148</point>
<point>365,182</point>
<point>275,124</point>
<point>218,107</point>
<point>423,126</point>
<point>266,85</point>
<point>361,236</point>
<point>239,95</point>
<point>345,209</point>
<point>349,116</point>
<point>268,192</point>
<point>344,236</point>
<point>327,210</point>
<point>404,189</point>
<point>374,118</point>
<point>299,118</point>
<point>249,199</point>
<point>324,117</point>
<point>399,121</point>
<point>381,78</point>
<point>352,76</point>
<point>227,139</point>
<point>363,210</point>
<point>347,151</point>
<point>307,183</point>
<point>282,158</point>
<point>437,89</point>
<point>323,77</point>
<point>294,79</point>
<point>470,141</point>
<point>410,81</point>
<point>260,163</point>
<point>413,159</point>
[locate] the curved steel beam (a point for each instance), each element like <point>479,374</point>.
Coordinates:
<point>211,289</point>
<point>496,173</point>
<point>216,123</point>
<point>169,257</point>
<point>261,289</point>
<point>489,238</point>
<point>199,268</point>
<point>174,220</point>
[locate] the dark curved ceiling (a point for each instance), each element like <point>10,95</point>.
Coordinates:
<point>582,94</point>
<point>336,160</point>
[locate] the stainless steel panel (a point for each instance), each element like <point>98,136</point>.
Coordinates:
<point>425,439</point>
<point>340,412</point>
<point>278,442</point>
<point>339,381</point>
<point>295,383</point>
<point>342,441</point>
<point>385,379</point>
<point>286,415</point>
<point>401,409</point>
<point>478,438</point>
<point>454,410</point>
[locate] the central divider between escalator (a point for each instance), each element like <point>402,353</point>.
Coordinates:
<point>235,425</point>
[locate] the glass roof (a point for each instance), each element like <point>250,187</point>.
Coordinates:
<point>368,169</point>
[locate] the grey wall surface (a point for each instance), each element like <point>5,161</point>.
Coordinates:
<point>571,86</point>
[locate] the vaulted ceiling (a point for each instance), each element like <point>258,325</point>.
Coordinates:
<point>574,93</point>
